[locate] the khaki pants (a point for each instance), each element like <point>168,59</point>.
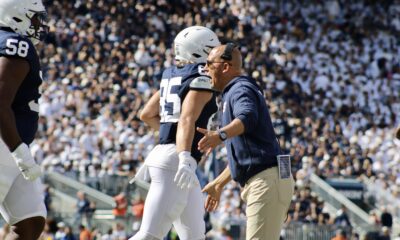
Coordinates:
<point>268,199</point>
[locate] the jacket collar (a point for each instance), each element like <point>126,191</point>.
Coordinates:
<point>232,82</point>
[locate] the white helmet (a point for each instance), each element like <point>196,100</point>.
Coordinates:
<point>193,44</point>
<point>17,15</point>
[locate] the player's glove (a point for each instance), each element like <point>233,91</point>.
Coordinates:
<point>29,168</point>
<point>186,175</point>
<point>142,174</point>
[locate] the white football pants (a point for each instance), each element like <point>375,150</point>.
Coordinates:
<point>19,198</point>
<point>167,204</point>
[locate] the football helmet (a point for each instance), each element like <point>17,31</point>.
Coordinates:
<point>25,17</point>
<point>193,44</point>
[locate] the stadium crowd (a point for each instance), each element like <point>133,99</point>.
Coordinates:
<point>331,80</point>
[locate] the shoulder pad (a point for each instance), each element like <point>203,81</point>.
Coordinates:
<point>201,83</point>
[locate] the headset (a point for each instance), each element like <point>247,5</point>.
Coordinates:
<point>227,55</point>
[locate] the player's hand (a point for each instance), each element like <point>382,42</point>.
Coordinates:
<point>209,141</point>
<point>142,174</point>
<point>186,175</point>
<point>213,197</point>
<point>23,158</point>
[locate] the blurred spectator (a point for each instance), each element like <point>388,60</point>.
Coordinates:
<point>47,198</point>
<point>385,234</point>
<point>108,235</point>
<point>84,233</point>
<point>355,236</point>
<point>224,234</point>
<point>137,212</point>
<point>386,218</point>
<point>90,213</point>
<point>306,207</point>
<point>60,233</point>
<point>95,234</point>
<point>340,235</point>
<point>374,218</point>
<point>342,218</point>
<point>119,231</point>
<point>82,208</point>
<point>50,229</point>
<point>121,205</point>
<point>69,235</point>
<point>47,234</point>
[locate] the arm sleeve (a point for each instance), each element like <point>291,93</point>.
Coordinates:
<point>245,107</point>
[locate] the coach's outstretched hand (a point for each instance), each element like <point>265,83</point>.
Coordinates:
<point>23,158</point>
<point>209,141</point>
<point>214,194</point>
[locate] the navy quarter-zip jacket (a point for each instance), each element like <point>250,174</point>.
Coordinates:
<point>257,148</point>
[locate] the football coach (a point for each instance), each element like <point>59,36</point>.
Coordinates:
<point>253,149</point>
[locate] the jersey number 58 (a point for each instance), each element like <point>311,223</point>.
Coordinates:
<point>15,47</point>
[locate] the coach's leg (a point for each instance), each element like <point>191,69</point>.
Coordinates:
<point>279,208</point>
<point>267,204</point>
<point>285,194</point>
<point>28,229</point>
<point>164,203</point>
<point>190,225</point>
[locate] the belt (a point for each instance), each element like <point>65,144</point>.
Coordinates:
<point>255,169</point>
